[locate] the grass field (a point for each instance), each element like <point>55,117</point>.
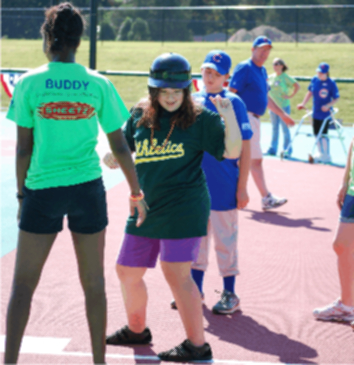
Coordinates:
<point>137,56</point>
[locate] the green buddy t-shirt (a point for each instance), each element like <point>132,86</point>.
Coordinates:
<point>63,103</point>
<point>172,179</point>
<point>351,175</point>
<point>279,86</point>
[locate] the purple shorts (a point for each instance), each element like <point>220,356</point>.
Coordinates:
<point>139,251</point>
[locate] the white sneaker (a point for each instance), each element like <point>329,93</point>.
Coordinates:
<point>271,202</point>
<point>326,159</point>
<point>336,311</point>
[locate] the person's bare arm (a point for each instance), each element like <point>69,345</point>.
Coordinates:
<point>296,87</point>
<point>307,97</point>
<point>344,187</point>
<point>280,112</point>
<point>233,136</point>
<point>122,153</point>
<point>244,166</point>
<point>24,150</point>
<point>328,106</point>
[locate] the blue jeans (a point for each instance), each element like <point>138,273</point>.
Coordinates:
<point>276,121</point>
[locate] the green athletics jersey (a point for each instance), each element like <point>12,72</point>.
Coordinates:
<point>351,175</point>
<point>279,86</point>
<point>172,179</point>
<point>63,102</point>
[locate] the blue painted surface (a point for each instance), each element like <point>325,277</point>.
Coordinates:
<point>302,146</point>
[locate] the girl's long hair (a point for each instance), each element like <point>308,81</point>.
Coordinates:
<point>184,117</point>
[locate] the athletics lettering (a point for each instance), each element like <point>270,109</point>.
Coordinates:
<point>146,153</point>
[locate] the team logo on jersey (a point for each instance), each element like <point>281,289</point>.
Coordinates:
<point>323,93</point>
<point>66,110</point>
<point>217,57</point>
<point>145,153</point>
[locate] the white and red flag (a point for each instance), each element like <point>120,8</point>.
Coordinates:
<point>8,81</point>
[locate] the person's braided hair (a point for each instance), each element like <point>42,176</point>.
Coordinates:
<point>63,26</point>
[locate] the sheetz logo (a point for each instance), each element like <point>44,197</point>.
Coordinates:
<point>66,110</point>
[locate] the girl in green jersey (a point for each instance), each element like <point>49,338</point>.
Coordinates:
<point>169,135</point>
<point>57,108</point>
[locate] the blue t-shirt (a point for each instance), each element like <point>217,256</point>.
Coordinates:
<point>250,81</point>
<point>222,176</point>
<point>323,92</point>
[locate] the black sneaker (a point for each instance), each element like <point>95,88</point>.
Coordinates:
<point>125,336</point>
<point>187,352</point>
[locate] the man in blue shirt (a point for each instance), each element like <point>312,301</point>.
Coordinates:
<point>249,81</point>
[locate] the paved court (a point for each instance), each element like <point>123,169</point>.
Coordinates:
<point>287,268</point>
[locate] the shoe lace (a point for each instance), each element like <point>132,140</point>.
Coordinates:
<point>225,297</point>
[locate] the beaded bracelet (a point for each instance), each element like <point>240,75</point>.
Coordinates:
<point>137,198</point>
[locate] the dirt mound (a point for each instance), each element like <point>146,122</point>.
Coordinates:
<point>277,35</point>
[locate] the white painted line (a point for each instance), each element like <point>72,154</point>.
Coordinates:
<point>39,345</point>
<point>55,346</point>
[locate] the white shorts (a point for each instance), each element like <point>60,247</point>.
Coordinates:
<point>223,227</point>
<point>256,151</point>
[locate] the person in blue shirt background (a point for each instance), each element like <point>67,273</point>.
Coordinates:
<point>249,81</point>
<point>325,94</point>
<point>227,183</point>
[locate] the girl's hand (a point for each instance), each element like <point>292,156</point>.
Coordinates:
<point>223,105</point>
<point>142,209</point>
<point>341,195</point>
<point>288,120</point>
<point>110,161</point>
<point>242,198</point>
<point>300,106</point>
<point>325,108</point>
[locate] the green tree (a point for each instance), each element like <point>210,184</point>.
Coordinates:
<point>107,33</point>
<point>125,29</point>
<point>139,30</point>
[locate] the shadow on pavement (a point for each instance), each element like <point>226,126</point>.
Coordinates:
<point>280,219</point>
<point>244,331</point>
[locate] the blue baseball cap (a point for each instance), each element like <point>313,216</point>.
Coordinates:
<point>323,67</point>
<point>219,61</point>
<point>262,41</point>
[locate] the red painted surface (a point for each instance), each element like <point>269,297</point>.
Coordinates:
<point>287,268</point>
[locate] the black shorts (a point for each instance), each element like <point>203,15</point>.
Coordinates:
<point>85,205</point>
<point>317,123</point>
<point>347,212</point>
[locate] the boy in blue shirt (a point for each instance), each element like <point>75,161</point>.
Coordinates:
<point>325,94</point>
<point>227,182</point>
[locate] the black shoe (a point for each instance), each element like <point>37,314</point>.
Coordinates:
<point>125,336</point>
<point>187,352</point>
